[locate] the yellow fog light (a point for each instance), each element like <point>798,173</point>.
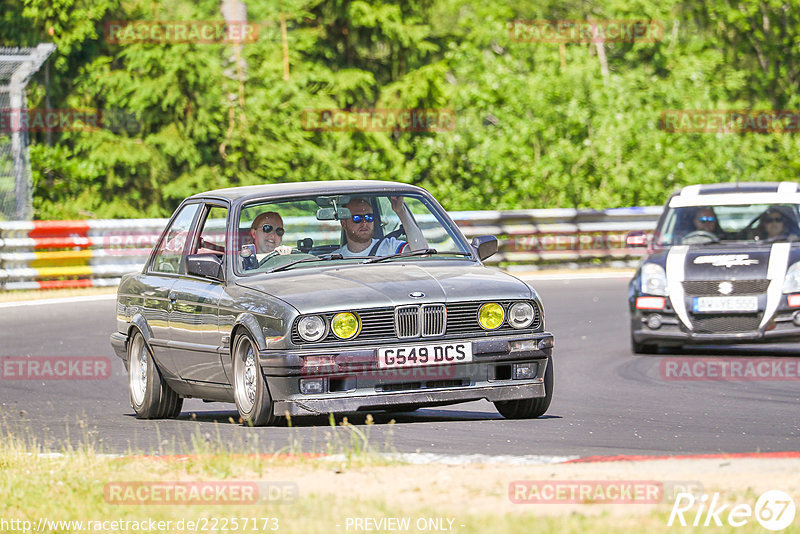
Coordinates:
<point>346,325</point>
<point>491,316</point>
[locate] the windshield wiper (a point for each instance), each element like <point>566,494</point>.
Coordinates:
<point>422,252</point>
<point>306,260</point>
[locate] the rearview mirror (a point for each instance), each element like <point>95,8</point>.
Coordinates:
<point>333,214</point>
<point>205,265</point>
<point>486,245</point>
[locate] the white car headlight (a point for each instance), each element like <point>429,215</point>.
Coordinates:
<point>311,328</point>
<point>791,283</point>
<point>654,279</point>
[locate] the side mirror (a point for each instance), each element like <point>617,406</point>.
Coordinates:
<point>636,240</point>
<point>205,265</point>
<point>486,245</point>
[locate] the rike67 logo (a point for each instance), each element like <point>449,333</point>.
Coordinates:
<point>774,510</point>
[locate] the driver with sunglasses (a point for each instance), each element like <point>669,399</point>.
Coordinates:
<point>267,233</point>
<point>360,230</point>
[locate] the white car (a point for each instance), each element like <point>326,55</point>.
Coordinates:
<point>724,268</point>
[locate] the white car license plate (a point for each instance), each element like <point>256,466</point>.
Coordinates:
<point>420,355</point>
<point>725,304</point>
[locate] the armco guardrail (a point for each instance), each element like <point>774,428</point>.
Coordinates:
<point>61,254</point>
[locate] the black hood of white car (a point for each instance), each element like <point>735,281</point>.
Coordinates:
<point>386,285</point>
<point>735,261</point>
<point>725,263</point>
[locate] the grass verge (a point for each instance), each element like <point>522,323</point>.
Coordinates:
<point>211,490</point>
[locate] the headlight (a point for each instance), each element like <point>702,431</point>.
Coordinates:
<point>346,325</point>
<point>520,315</point>
<point>491,316</point>
<point>791,284</point>
<point>654,279</point>
<point>311,328</point>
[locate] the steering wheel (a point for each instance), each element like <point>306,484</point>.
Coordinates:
<point>269,256</point>
<point>691,236</point>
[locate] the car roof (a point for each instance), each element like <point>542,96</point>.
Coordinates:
<point>307,188</point>
<point>738,193</point>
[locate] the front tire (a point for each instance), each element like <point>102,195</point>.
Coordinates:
<point>530,408</point>
<point>642,348</point>
<point>250,390</point>
<point>151,397</point>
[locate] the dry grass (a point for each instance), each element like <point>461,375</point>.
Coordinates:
<point>323,495</point>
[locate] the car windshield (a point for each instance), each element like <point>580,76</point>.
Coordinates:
<point>303,232</point>
<point>754,223</point>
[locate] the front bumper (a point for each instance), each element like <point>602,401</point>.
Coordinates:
<point>119,342</point>
<point>353,403</point>
<point>673,332</point>
<point>356,383</point>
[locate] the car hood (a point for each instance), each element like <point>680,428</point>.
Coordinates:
<point>730,262</point>
<point>737,262</point>
<point>388,284</point>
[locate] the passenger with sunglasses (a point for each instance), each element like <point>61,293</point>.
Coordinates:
<point>777,224</point>
<point>359,230</point>
<point>267,233</point>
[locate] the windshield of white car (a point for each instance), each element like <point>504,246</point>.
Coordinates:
<point>710,225</point>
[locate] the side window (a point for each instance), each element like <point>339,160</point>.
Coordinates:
<point>435,234</point>
<point>389,219</point>
<point>168,257</point>
<point>212,236</point>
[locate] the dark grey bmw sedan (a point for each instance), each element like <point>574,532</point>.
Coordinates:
<point>326,297</point>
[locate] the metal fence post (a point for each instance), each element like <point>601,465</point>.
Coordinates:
<point>17,65</point>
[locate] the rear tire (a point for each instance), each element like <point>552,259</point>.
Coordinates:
<point>151,397</point>
<point>250,391</point>
<point>530,408</point>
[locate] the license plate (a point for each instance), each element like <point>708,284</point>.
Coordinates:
<point>420,355</point>
<point>725,304</point>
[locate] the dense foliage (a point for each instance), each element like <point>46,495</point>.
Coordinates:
<point>537,124</point>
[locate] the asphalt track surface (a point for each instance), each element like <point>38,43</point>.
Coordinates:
<point>607,401</point>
